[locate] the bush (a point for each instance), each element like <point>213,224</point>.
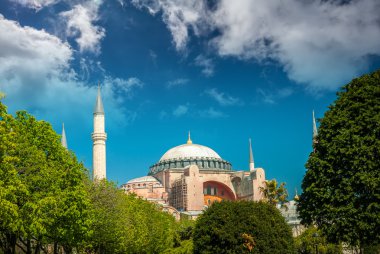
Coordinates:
<point>242,227</point>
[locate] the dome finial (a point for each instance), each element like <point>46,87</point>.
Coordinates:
<point>189,139</point>
<point>296,197</point>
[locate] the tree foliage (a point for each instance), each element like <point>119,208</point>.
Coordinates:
<point>127,224</point>
<point>48,203</point>
<point>275,194</point>
<point>42,195</point>
<point>312,240</point>
<point>341,188</point>
<point>235,227</point>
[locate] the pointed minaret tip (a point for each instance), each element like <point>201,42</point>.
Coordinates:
<point>63,138</point>
<point>251,161</point>
<point>99,104</point>
<point>189,141</point>
<point>315,130</point>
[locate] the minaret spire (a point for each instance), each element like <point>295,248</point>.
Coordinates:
<point>99,104</point>
<point>99,138</point>
<point>251,161</point>
<point>63,137</point>
<point>189,141</point>
<point>315,131</point>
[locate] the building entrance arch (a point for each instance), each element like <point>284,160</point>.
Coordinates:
<point>214,191</point>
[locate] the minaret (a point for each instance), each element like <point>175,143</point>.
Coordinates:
<point>63,137</point>
<point>99,138</point>
<point>251,162</point>
<point>315,131</point>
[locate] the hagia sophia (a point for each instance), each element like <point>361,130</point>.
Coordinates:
<point>187,178</point>
<point>190,177</point>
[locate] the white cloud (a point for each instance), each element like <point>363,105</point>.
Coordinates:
<point>179,16</point>
<point>207,64</point>
<point>177,82</point>
<point>35,4</point>
<point>80,25</point>
<point>180,110</point>
<point>36,75</point>
<point>222,98</point>
<point>28,55</point>
<point>212,113</point>
<point>125,85</point>
<point>272,96</point>
<point>321,44</point>
<point>153,56</point>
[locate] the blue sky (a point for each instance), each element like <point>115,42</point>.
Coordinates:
<point>225,70</point>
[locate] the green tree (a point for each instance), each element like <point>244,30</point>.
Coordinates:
<point>127,224</point>
<point>341,188</point>
<point>235,227</point>
<point>312,240</point>
<point>275,194</point>
<point>183,238</point>
<point>42,192</point>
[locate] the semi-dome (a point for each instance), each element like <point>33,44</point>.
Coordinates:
<point>187,154</point>
<point>189,150</point>
<point>143,179</point>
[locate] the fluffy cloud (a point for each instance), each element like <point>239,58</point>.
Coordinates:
<point>177,82</point>
<point>180,110</point>
<point>222,98</point>
<point>80,21</point>
<point>206,63</point>
<point>35,4</point>
<point>80,24</point>
<point>321,44</point>
<point>179,16</point>
<point>212,113</point>
<point>272,96</point>
<point>36,75</point>
<point>29,56</point>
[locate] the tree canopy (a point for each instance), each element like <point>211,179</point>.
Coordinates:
<point>341,188</point>
<point>312,241</point>
<point>275,194</point>
<point>42,194</point>
<point>242,227</point>
<point>48,202</point>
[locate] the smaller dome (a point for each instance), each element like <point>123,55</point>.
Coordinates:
<point>144,179</point>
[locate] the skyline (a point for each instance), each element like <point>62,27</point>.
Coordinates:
<point>226,72</point>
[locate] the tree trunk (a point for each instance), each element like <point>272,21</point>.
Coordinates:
<point>55,248</point>
<point>67,249</point>
<point>38,247</point>
<point>28,247</point>
<point>11,244</point>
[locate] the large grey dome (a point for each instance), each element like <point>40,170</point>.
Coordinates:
<point>184,155</point>
<point>189,151</point>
